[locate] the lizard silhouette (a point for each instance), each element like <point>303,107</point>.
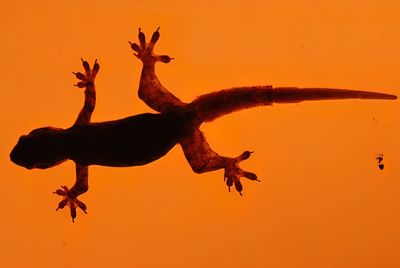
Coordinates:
<point>141,139</point>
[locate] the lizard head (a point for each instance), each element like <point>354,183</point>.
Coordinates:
<point>38,149</point>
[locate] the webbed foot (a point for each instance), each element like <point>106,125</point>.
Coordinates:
<point>233,172</point>
<point>145,51</point>
<point>70,200</point>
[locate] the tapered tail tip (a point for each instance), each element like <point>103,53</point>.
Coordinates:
<point>288,94</point>
<point>377,95</point>
<point>391,97</point>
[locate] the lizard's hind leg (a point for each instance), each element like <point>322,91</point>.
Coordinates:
<point>151,91</point>
<point>203,159</point>
<point>70,196</point>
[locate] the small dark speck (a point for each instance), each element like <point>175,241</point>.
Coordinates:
<point>380,159</point>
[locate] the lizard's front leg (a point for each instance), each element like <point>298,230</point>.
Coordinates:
<point>87,82</point>
<point>70,196</point>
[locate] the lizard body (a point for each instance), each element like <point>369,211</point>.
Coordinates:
<point>143,138</point>
<point>131,141</point>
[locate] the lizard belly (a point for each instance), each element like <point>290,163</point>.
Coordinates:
<point>133,141</point>
<point>122,152</point>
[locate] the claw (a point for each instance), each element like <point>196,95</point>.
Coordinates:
<point>165,58</point>
<point>71,201</point>
<point>80,76</point>
<point>62,204</point>
<point>250,176</point>
<point>65,188</point>
<point>85,63</point>
<point>155,36</point>
<point>229,181</point>
<point>245,155</point>
<point>73,213</point>
<point>86,66</point>
<point>96,68</point>
<point>81,205</point>
<point>238,186</point>
<point>88,78</point>
<point>145,50</point>
<point>135,47</point>
<point>80,85</point>
<point>233,172</point>
<point>59,192</point>
<point>142,39</point>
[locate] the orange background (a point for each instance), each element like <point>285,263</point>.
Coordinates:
<point>322,202</point>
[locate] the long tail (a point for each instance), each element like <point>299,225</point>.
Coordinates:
<point>213,105</point>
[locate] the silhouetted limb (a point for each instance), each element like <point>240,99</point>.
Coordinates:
<point>70,196</point>
<point>151,91</point>
<point>203,159</point>
<point>87,82</point>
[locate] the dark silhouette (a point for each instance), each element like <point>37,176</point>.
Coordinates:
<point>380,159</point>
<point>143,138</point>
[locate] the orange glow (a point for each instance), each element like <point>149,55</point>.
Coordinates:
<point>322,202</point>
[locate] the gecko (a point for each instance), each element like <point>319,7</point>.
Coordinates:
<point>141,139</point>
